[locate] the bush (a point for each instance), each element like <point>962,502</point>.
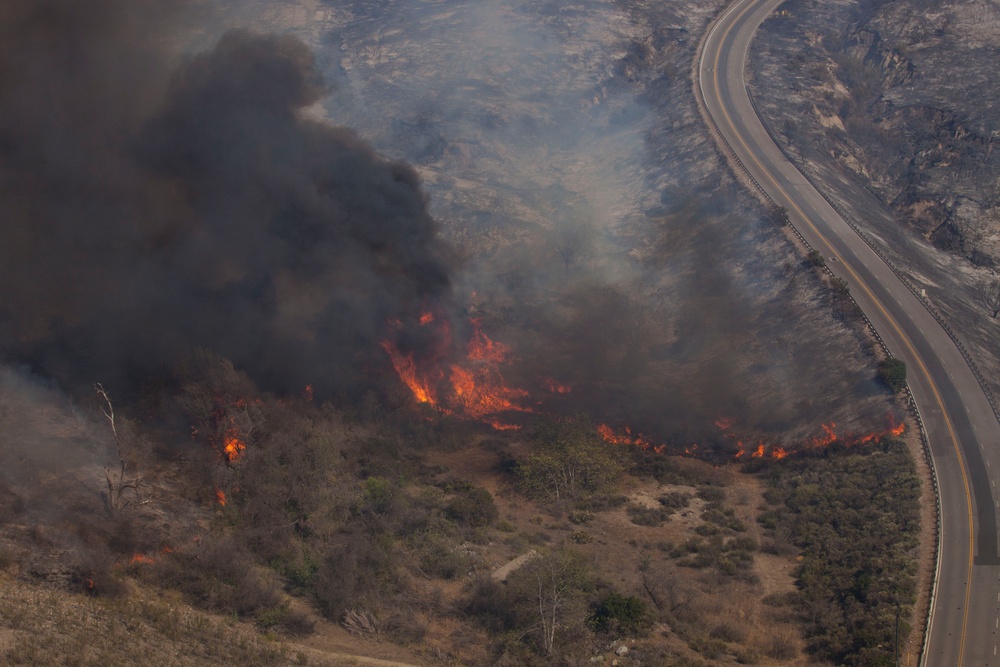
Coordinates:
<point>675,500</point>
<point>621,615</point>
<point>649,516</point>
<point>712,494</point>
<point>472,507</point>
<point>892,373</point>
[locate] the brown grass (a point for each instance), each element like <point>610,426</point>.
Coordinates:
<point>42,626</point>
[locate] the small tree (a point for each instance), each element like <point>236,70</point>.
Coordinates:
<point>892,373</point>
<point>569,460</point>
<point>553,588</point>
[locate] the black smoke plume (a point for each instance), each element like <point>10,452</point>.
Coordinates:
<point>151,206</point>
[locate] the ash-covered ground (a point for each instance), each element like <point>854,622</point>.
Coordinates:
<point>889,107</point>
<point>603,237</point>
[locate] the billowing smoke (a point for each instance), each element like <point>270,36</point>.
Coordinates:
<point>152,206</point>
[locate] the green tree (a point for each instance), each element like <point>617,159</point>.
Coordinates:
<point>621,614</point>
<point>569,461</point>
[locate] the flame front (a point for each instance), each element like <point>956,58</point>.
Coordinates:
<point>142,559</point>
<point>473,387</point>
<point>628,438</point>
<point>220,497</point>
<point>762,450</point>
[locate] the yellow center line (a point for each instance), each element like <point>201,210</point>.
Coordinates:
<point>878,304</point>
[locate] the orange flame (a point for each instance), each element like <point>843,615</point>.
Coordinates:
<point>407,371</point>
<point>481,348</point>
<point>234,448</point>
<point>637,440</point>
<point>141,558</point>
<point>475,386</point>
<point>828,438</point>
<point>220,497</point>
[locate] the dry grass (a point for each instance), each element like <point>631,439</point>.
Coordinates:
<point>44,627</point>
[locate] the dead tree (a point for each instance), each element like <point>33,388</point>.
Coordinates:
<point>118,481</point>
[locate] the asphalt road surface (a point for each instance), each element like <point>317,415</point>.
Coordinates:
<point>962,429</point>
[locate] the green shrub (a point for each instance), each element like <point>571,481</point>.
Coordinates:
<point>892,373</point>
<point>472,507</point>
<point>649,516</point>
<point>619,614</point>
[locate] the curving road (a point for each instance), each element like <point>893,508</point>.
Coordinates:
<point>964,436</point>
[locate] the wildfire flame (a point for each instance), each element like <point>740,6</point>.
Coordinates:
<point>220,497</point>
<point>628,438</point>
<point>473,387</point>
<point>234,447</point>
<point>761,450</point>
<point>422,387</point>
<point>141,559</point>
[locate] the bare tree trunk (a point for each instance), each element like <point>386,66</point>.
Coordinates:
<point>116,479</point>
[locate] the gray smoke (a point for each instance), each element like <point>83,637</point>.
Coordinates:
<point>152,207</point>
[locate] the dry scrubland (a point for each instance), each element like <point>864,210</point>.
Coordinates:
<point>394,525</point>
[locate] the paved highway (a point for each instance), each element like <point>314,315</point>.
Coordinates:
<point>961,427</point>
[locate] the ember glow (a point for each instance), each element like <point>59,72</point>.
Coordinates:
<point>472,387</point>
<point>220,497</point>
<point>554,387</point>
<point>141,559</point>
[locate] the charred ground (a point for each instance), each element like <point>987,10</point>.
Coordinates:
<point>882,103</point>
